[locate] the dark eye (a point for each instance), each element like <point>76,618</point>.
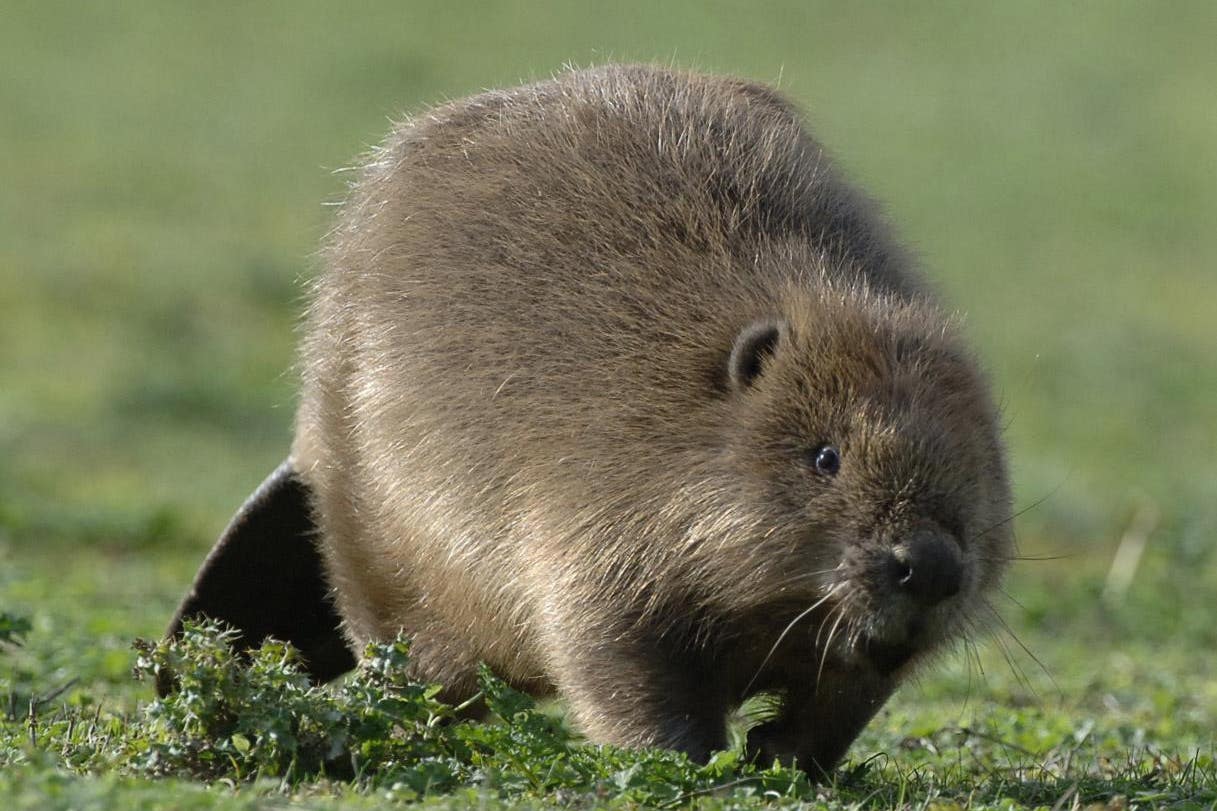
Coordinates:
<point>826,460</point>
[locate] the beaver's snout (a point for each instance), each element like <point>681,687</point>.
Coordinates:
<point>910,580</point>
<point>927,567</point>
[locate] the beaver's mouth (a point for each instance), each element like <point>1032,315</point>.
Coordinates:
<point>888,657</point>
<point>888,652</point>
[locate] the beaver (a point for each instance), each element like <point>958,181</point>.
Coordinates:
<point>613,383</point>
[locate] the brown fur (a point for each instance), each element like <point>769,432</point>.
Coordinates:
<point>526,447</point>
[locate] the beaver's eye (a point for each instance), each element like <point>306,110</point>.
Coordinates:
<point>827,460</point>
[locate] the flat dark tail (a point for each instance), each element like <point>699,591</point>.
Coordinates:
<point>265,578</point>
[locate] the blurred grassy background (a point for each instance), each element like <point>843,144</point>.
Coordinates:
<point>163,169</point>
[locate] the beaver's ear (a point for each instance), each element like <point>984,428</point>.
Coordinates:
<point>755,345</point>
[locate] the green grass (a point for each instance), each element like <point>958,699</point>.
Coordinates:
<point>162,177</point>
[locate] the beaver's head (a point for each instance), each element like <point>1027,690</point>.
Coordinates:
<point>865,434</point>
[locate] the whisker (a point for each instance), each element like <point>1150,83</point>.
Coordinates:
<point>828,643</point>
<point>1005,626</point>
<point>785,632</point>
<point>1011,598</point>
<point>853,636</point>
<point>827,619</point>
<point>969,653</point>
<point>1020,675</point>
<point>981,676</point>
<point>974,649</point>
<point>1028,558</point>
<point>801,576</point>
<point>1024,510</point>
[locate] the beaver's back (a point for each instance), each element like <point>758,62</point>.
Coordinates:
<point>576,256</point>
<point>524,322</point>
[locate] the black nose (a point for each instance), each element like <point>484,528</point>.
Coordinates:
<point>927,566</point>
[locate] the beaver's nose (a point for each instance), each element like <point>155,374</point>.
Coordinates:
<point>927,566</point>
